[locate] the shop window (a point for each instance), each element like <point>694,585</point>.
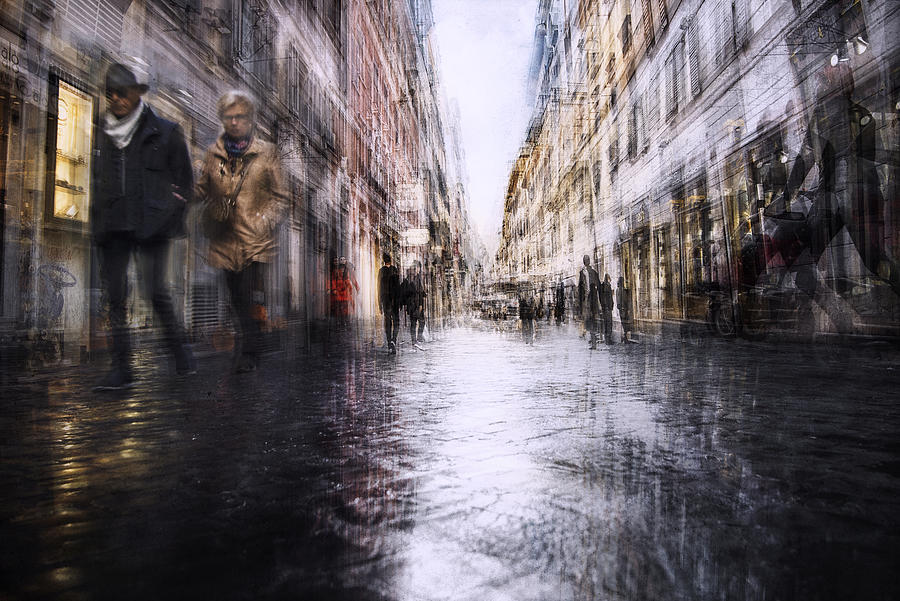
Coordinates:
<point>71,115</point>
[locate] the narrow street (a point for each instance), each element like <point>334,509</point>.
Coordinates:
<point>476,468</point>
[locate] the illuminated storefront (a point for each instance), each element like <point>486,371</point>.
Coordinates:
<point>70,164</point>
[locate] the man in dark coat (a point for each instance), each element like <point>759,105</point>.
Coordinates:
<point>389,301</point>
<point>559,307</point>
<point>606,307</point>
<point>589,299</point>
<point>143,179</point>
<point>413,294</point>
<point>526,315</point>
<point>623,302</point>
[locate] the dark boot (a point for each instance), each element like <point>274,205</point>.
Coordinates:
<point>117,378</point>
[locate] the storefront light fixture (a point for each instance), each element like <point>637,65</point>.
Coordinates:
<point>782,157</point>
<point>861,44</point>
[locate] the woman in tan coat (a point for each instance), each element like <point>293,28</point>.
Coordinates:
<point>241,176</point>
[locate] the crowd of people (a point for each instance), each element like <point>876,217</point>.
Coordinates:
<point>595,303</point>
<point>146,182</point>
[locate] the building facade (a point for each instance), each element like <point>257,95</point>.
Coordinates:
<point>665,144</point>
<point>347,90</point>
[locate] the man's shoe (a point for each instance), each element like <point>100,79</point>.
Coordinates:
<point>393,348</point>
<point>116,379</point>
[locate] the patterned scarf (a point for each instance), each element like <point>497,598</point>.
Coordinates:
<point>235,147</point>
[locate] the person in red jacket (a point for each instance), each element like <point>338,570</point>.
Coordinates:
<point>342,289</point>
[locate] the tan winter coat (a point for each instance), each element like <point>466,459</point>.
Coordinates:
<point>260,204</point>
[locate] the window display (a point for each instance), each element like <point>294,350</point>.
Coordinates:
<point>71,180</point>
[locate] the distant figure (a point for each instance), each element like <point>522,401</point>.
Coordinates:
<point>539,311</point>
<point>526,315</point>
<point>589,299</point>
<point>341,289</point>
<point>389,301</point>
<point>143,182</point>
<point>560,307</point>
<point>623,302</point>
<point>606,306</point>
<point>413,295</point>
<point>241,179</point>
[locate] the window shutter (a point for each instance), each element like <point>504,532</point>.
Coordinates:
<point>671,85</point>
<point>643,142</point>
<point>647,20</point>
<point>662,14</point>
<point>742,27</point>
<point>694,57</point>
<point>653,104</point>
<point>632,131</point>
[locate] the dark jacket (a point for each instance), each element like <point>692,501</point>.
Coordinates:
<point>589,292</point>
<point>158,156</point>
<point>526,308</point>
<point>606,297</point>
<point>623,302</point>
<point>412,294</point>
<point>388,289</point>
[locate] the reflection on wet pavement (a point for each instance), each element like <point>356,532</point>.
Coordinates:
<point>479,468</point>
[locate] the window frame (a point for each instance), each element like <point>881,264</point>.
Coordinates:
<point>51,218</point>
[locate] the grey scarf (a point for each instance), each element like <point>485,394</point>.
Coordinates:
<point>122,130</point>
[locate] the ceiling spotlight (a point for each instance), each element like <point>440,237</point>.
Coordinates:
<point>861,44</point>
<point>782,158</point>
<point>834,60</point>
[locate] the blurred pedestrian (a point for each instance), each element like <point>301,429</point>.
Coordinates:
<point>341,289</point>
<point>413,294</point>
<point>623,303</point>
<point>559,307</point>
<point>526,316</point>
<point>144,181</point>
<point>389,301</point>
<point>606,307</point>
<point>589,299</point>
<point>242,188</point>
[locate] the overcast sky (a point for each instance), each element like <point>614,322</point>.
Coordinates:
<point>484,47</point>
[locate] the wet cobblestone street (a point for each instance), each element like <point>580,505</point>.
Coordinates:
<point>477,468</point>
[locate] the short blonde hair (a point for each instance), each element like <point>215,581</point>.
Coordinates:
<point>235,97</point>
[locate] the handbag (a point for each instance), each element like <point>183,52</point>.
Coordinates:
<point>218,212</point>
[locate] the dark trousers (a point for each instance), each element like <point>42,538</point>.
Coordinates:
<point>416,325</point>
<point>391,323</point>
<point>607,325</point>
<point>151,261</point>
<point>527,330</point>
<point>247,290</point>
<point>590,324</point>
